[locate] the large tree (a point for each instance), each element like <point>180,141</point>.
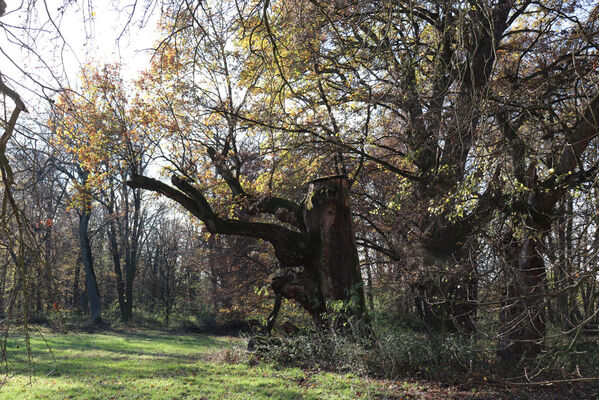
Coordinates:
<point>228,175</point>
<point>317,252</point>
<point>482,111</point>
<point>98,129</point>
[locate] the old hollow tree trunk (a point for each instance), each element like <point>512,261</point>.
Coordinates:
<point>331,270</point>
<point>318,256</point>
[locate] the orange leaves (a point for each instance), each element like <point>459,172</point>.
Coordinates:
<point>41,224</point>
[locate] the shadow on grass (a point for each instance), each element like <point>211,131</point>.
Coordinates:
<point>129,353</point>
<point>206,391</point>
<point>101,376</point>
<point>149,365</point>
<point>127,343</point>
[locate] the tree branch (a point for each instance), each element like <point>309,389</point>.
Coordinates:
<point>271,205</point>
<point>290,247</point>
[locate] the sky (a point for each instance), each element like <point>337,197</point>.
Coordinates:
<point>60,36</point>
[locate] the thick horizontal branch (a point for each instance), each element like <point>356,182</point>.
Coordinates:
<point>290,246</point>
<point>284,210</point>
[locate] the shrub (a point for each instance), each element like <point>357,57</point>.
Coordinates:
<point>583,359</point>
<point>316,350</point>
<point>410,353</point>
<point>389,356</point>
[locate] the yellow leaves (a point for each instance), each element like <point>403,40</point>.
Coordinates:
<point>96,129</point>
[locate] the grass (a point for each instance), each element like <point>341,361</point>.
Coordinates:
<point>152,364</point>
<point>162,365</point>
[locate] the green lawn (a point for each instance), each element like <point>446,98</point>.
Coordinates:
<point>162,365</point>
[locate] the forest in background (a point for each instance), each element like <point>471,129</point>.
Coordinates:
<point>384,170</point>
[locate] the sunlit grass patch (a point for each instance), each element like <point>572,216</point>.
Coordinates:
<point>163,365</point>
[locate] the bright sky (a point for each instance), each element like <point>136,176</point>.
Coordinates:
<point>62,38</point>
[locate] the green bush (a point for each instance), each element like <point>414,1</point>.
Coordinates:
<point>206,318</point>
<point>317,350</point>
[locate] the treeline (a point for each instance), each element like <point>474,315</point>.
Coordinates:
<point>157,262</point>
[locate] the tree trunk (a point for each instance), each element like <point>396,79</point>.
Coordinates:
<point>523,319</point>
<point>327,215</point>
<point>272,317</point>
<point>128,312</point>
<point>213,272</point>
<point>332,271</point>
<point>446,293</point>
<point>131,239</point>
<point>3,290</point>
<point>370,290</point>
<point>91,284</point>
<point>523,316</point>
<point>116,261</point>
<point>76,294</point>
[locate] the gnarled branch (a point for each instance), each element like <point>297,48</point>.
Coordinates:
<point>290,246</point>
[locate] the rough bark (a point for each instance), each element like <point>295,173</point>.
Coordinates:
<point>327,216</point>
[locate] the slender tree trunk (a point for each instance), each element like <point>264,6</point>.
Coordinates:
<point>116,261</point>
<point>272,317</point>
<point>129,295</point>
<point>133,237</point>
<point>369,293</point>
<point>37,292</point>
<point>3,290</point>
<point>76,293</point>
<point>51,289</point>
<point>559,280</point>
<point>213,272</point>
<point>91,284</point>
<point>573,313</point>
